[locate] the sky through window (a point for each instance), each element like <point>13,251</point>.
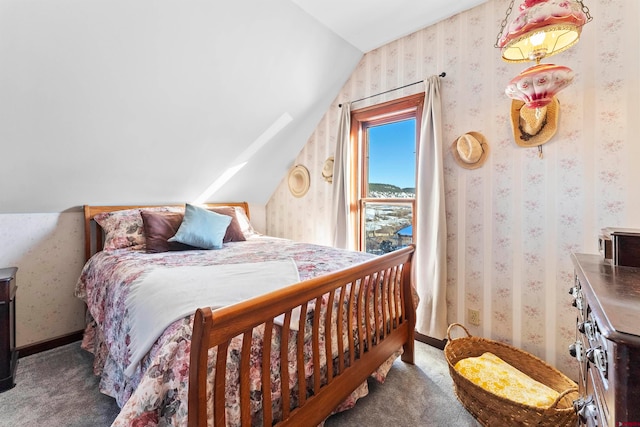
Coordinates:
<point>392,154</point>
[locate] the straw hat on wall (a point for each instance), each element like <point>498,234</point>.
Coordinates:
<point>299,180</point>
<point>327,170</point>
<point>534,126</point>
<point>470,150</point>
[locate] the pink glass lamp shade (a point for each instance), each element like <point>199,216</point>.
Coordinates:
<point>542,28</point>
<point>536,86</point>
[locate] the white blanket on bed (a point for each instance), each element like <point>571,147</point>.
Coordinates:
<point>166,294</point>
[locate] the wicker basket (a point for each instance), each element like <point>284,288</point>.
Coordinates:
<point>492,410</point>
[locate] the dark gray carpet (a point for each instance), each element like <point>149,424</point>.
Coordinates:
<point>412,395</point>
<point>57,388</point>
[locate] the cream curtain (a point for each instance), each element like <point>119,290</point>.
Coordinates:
<point>429,265</point>
<point>340,198</point>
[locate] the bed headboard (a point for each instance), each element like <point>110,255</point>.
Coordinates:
<point>94,236</point>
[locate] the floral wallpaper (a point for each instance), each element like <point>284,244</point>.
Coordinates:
<point>49,253</point>
<point>512,223</point>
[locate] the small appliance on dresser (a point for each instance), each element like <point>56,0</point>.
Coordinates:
<point>620,246</point>
<point>607,347</point>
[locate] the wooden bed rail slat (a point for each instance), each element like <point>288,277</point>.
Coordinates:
<point>386,305</point>
<point>302,391</point>
<point>339,330</point>
<point>377,303</point>
<point>364,295</point>
<point>368,332</point>
<point>316,344</point>
<point>284,365</point>
<point>360,301</point>
<point>198,402</point>
<point>351,312</point>
<point>266,374</point>
<point>328,323</point>
<point>408,313</point>
<point>395,299</point>
<point>245,367</point>
<point>219,388</point>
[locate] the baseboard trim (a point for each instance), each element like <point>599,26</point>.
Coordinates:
<point>433,342</point>
<point>41,346</point>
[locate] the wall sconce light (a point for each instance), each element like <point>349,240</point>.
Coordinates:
<point>541,29</point>
<point>536,86</point>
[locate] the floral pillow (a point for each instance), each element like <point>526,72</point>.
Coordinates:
<point>124,229</point>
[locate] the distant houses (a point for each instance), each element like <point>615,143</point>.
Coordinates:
<point>405,236</point>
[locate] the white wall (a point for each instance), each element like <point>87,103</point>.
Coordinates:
<point>512,223</point>
<point>49,253</point>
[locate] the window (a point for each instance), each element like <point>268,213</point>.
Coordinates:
<point>384,152</point>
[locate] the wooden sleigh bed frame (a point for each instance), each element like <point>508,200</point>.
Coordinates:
<point>373,335</point>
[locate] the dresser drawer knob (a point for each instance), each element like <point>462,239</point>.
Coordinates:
<point>588,328</point>
<point>575,350</point>
<point>586,410</point>
<point>598,357</point>
<point>576,293</point>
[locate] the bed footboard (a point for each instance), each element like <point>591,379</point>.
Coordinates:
<point>366,312</point>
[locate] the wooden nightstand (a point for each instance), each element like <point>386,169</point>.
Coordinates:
<point>8,353</point>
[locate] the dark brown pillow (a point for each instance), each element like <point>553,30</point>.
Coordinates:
<point>234,231</point>
<point>159,227</point>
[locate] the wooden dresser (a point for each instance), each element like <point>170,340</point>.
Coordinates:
<point>607,347</point>
<point>8,353</point>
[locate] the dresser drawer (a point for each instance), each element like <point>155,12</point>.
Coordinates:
<point>607,299</point>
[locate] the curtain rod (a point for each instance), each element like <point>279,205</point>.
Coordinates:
<point>442,74</point>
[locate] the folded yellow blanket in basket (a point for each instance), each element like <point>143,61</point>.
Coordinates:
<point>498,377</point>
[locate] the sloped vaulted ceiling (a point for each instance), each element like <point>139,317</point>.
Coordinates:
<point>369,24</point>
<point>150,101</point>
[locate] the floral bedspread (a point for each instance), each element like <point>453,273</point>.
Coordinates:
<point>156,394</point>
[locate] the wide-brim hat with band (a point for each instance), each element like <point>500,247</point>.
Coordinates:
<point>327,170</point>
<point>299,180</point>
<point>470,150</point>
<point>534,126</point>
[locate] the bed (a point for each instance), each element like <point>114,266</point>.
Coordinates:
<point>293,348</point>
